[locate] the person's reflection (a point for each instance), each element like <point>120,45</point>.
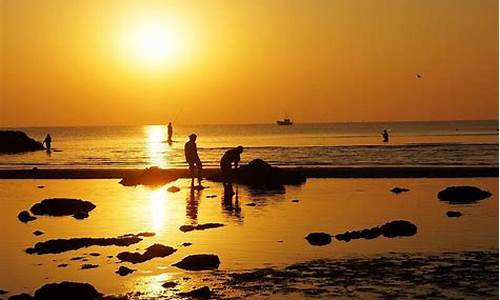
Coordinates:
<point>228,207</point>
<point>192,202</point>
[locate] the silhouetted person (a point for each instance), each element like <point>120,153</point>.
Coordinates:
<point>170,131</point>
<point>385,136</point>
<point>47,141</point>
<point>230,158</point>
<point>192,158</point>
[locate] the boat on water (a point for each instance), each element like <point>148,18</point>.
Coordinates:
<point>284,122</point>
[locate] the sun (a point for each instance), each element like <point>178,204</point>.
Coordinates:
<point>156,42</point>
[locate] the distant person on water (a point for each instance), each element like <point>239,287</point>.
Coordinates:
<point>192,158</point>
<point>385,136</point>
<point>170,131</point>
<point>230,158</point>
<point>47,141</point>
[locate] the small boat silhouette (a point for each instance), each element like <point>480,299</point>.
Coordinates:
<point>284,122</point>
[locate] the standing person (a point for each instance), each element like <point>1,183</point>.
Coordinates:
<point>385,136</point>
<point>47,142</point>
<point>230,158</point>
<point>192,158</point>
<point>170,131</point>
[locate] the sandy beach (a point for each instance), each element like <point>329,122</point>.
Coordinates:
<point>269,222</point>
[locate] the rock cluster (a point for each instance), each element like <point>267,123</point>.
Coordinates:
<point>156,250</point>
<point>198,262</point>
<point>17,142</point>
<point>462,194</point>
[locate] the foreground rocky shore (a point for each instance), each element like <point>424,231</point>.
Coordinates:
<point>448,275</point>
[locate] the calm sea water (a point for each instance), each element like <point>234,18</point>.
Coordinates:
<point>459,143</point>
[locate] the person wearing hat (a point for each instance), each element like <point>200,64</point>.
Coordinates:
<point>230,158</point>
<point>192,158</point>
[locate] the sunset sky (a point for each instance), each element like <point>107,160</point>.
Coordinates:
<point>93,62</point>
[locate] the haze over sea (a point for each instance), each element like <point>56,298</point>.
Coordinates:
<point>447,143</point>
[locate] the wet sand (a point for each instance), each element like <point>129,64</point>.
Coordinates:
<point>266,238</point>
<point>334,172</point>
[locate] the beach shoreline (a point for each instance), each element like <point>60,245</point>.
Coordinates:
<point>319,172</point>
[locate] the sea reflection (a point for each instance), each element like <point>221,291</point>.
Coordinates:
<point>230,208</point>
<point>192,202</point>
<point>158,200</point>
<point>158,149</point>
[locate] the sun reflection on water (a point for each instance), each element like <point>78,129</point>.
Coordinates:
<point>158,199</point>
<point>158,149</point>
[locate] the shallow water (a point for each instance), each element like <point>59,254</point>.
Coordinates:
<point>459,143</point>
<point>268,234</point>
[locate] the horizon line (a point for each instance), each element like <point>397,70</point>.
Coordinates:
<point>236,124</point>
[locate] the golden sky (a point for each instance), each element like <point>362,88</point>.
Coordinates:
<point>93,62</point>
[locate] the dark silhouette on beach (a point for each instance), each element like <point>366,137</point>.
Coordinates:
<point>385,136</point>
<point>170,130</point>
<point>48,141</point>
<point>231,157</point>
<point>192,158</point>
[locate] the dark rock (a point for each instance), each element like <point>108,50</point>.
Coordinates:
<point>211,196</point>
<point>169,284</point>
<point>62,265</point>
<point>398,190</point>
<point>398,228</point>
<point>251,204</point>
<point>173,189</point>
<point>390,230</point>
<point>21,297</point>
<point>94,254</point>
<point>40,186</point>
<point>88,266</point>
<point>199,262</point>
<point>371,233</point>
<point>67,290</point>
<point>2,292</point>
<point>62,207</point>
<point>186,244</point>
<point>63,245</point>
<point>156,250</point>
<point>142,234</point>
<point>343,237</point>
<point>187,228</point>
<point>462,194</point>
<point>77,258</point>
<point>261,175</point>
<point>37,232</point>
<point>453,214</point>
<point>81,215</point>
<point>124,271</point>
<point>17,142</point>
<point>25,217</point>
<point>319,238</point>
<point>152,176</point>
<point>295,200</point>
<point>201,293</point>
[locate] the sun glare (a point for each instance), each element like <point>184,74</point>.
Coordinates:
<point>156,42</point>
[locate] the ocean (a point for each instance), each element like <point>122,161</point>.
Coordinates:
<point>447,143</point>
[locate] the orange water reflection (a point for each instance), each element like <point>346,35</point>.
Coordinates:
<point>157,148</point>
<point>158,202</point>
